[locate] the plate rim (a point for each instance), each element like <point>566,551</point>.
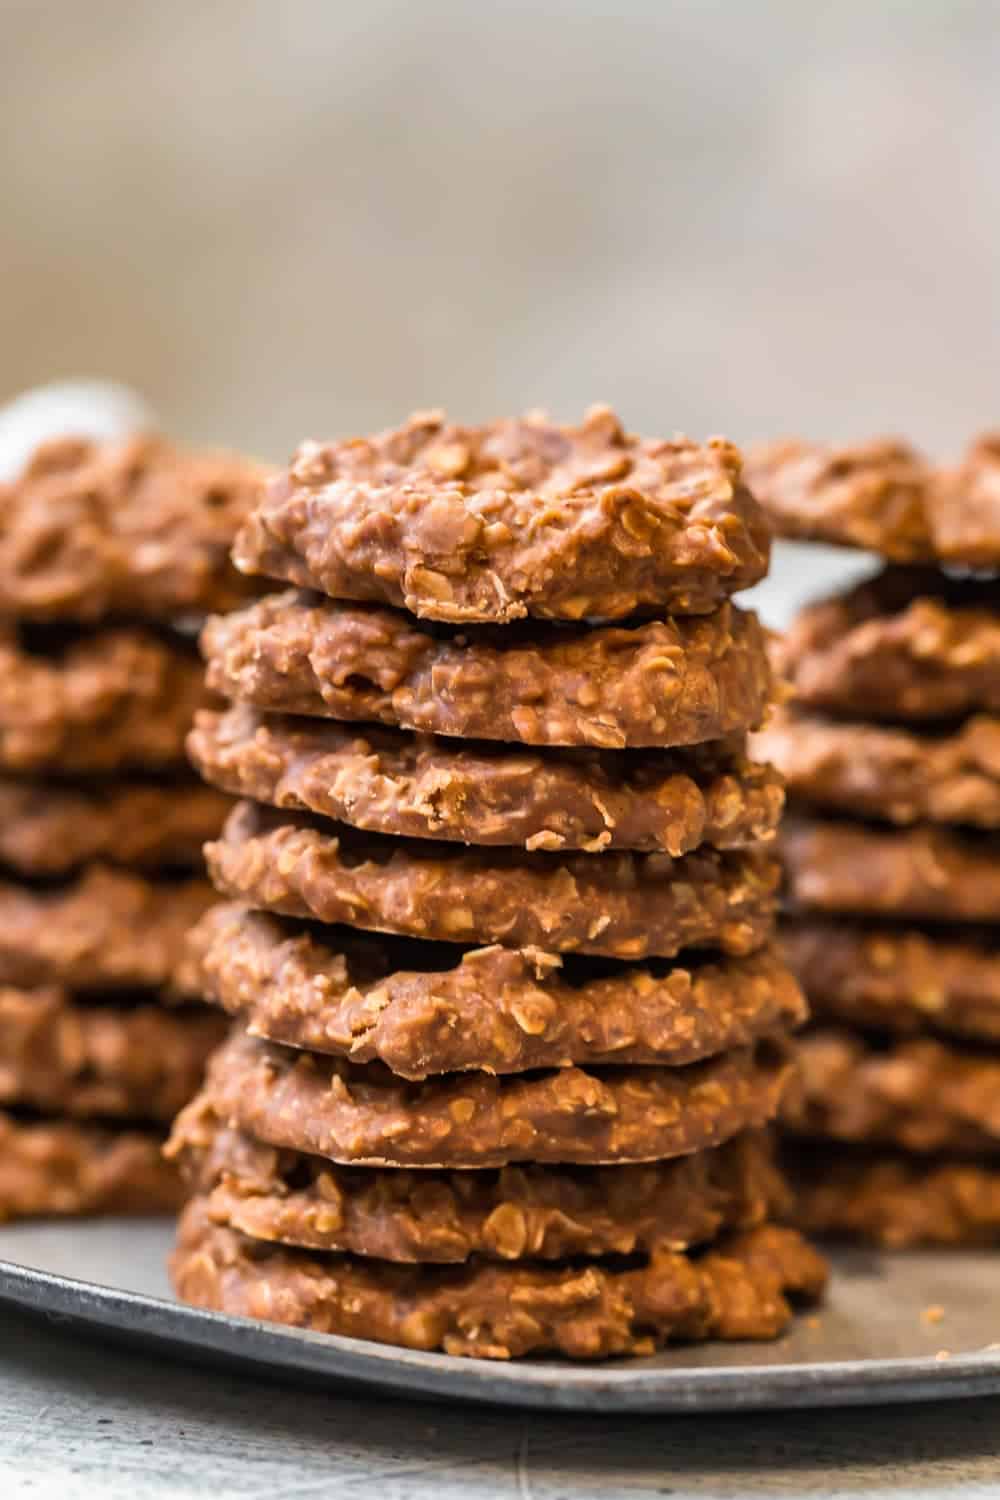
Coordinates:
<point>613,1389</point>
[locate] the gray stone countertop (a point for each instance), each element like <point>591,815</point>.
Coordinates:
<point>79,1418</point>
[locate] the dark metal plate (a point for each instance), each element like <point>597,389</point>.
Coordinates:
<point>903,1328</point>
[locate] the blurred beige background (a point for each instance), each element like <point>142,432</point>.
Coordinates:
<point>282,218</point>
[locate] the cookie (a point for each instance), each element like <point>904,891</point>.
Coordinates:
<point>106,929</point>
<point>875,494</point>
<point>114,700</point>
<point>966,512</point>
<point>325,1106</point>
<point>896,1201</point>
<point>911,644</point>
<point>62,1168</point>
<point>101,1061</point>
<point>657,683</point>
<point>622,905</point>
<point>49,829</point>
<point>419,1008</point>
<point>130,528</point>
<point>516,1213</point>
<point>920,1094</point>
<point>415,786</point>
<point>898,979</point>
<point>884,496</point>
<point>889,774</point>
<point>513,518</point>
<point>740,1289</point>
<point>921,872</point>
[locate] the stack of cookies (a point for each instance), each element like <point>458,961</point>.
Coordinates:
<point>106,550</point>
<point>498,926</point>
<point>891,748</point>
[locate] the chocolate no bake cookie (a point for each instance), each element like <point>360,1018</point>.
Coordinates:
<point>873,494</point>
<point>49,829</point>
<point>132,528</point>
<point>514,518</point>
<point>889,774</point>
<point>514,1213</point>
<point>910,644</point>
<point>895,1201</point>
<point>111,700</point>
<point>658,683</point>
<point>326,1106</point>
<point>101,1061</point>
<point>421,1008</point>
<point>105,929</point>
<point>966,507</point>
<point>884,496</point>
<point>417,786</point>
<point>739,1289</point>
<point>898,979</point>
<point>919,1094</point>
<point>621,905</point>
<point>111,553</point>
<point>925,872</point>
<point>56,1168</point>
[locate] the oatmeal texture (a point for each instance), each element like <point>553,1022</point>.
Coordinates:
<point>889,774</point>
<point>502,1010</point>
<point>112,700</point>
<point>104,929</point>
<point>326,1106</point>
<point>51,829</point>
<point>923,872</point>
<point>65,1168</point>
<point>419,786</point>
<point>657,683</point>
<point>101,1061</point>
<point>911,644</point>
<point>742,1289</point>
<point>898,979</point>
<point>524,1212</point>
<point>621,905</point>
<point>896,1201</point>
<point>132,528</point>
<point>510,519</point>
<point>919,1094</point>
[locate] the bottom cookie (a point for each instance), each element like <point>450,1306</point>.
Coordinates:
<point>741,1289</point>
<point>542,1213</point>
<point>58,1168</point>
<point>895,1201</point>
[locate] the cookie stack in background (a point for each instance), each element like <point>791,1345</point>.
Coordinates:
<point>498,926</point>
<point>891,749</point>
<point>108,553</point>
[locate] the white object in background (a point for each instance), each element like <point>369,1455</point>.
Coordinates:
<point>801,573</point>
<point>70,408</point>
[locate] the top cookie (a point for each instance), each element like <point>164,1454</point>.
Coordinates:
<point>966,515</point>
<point>130,529</point>
<point>513,518</point>
<point>883,495</point>
<point>871,495</point>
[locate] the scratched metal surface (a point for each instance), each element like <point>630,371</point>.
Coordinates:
<point>79,1419</point>
<point>915,1327</point>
